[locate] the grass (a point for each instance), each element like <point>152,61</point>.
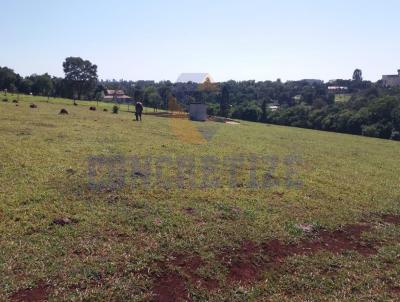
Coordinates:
<point>342,97</point>
<point>124,242</point>
<point>62,101</point>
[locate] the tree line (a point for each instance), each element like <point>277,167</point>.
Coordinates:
<point>80,81</point>
<point>372,110</point>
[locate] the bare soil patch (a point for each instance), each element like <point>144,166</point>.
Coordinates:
<point>36,294</point>
<point>189,211</point>
<point>246,264</point>
<point>391,218</point>
<point>64,221</point>
<point>171,284</point>
<point>170,287</point>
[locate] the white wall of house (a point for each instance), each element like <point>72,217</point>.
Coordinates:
<point>391,80</point>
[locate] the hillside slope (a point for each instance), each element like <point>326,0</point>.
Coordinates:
<point>320,222</point>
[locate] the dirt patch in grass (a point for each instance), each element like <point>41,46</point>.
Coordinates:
<point>36,294</point>
<point>243,264</point>
<point>189,265</point>
<point>279,194</point>
<point>246,263</point>
<point>189,211</point>
<point>345,239</point>
<point>395,291</point>
<point>176,275</point>
<point>391,218</point>
<point>170,287</point>
<point>64,221</point>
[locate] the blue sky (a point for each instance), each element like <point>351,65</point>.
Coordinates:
<point>240,40</point>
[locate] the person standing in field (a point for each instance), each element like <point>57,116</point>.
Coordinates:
<point>139,110</point>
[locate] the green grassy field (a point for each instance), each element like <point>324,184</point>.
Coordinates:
<point>342,97</point>
<point>335,236</point>
<point>61,101</point>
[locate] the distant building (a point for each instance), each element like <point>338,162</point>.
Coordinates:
<point>198,78</point>
<point>273,107</point>
<point>116,96</point>
<point>198,112</point>
<point>338,89</point>
<point>297,98</point>
<point>391,80</point>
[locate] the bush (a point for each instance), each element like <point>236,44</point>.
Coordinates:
<point>115,109</point>
<point>395,135</point>
<point>5,100</point>
<point>248,111</point>
<point>105,109</point>
<point>63,111</point>
<point>371,130</point>
<point>15,101</point>
<point>32,106</point>
<point>377,130</point>
<point>92,108</point>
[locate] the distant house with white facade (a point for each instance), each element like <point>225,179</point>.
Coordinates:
<point>198,78</point>
<point>338,89</point>
<point>273,107</point>
<point>391,80</point>
<point>116,96</point>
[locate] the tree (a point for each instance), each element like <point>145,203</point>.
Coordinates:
<point>138,94</point>
<point>25,86</point>
<point>224,103</point>
<point>164,90</point>
<point>99,94</point>
<point>264,116</point>
<point>81,75</point>
<point>154,100</point>
<point>7,78</point>
<point>207,86</point>
<point>146,95</point>
<point>41,84</point>
<point>205,90</point>
<point>395,114</point>
<point>357,75</point>
<point>249,111</point>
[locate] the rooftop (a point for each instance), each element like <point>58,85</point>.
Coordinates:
<point>198,78</point>
<point>114,92</point>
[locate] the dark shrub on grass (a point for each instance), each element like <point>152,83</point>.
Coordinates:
<point>15,101</point>
<point>92,108</point>
<point>105,109</point>
<point>33,106</point>
<point>115,109</point>
<point>5,100</point>
<point>395,135</point>
<point>63,111</point>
